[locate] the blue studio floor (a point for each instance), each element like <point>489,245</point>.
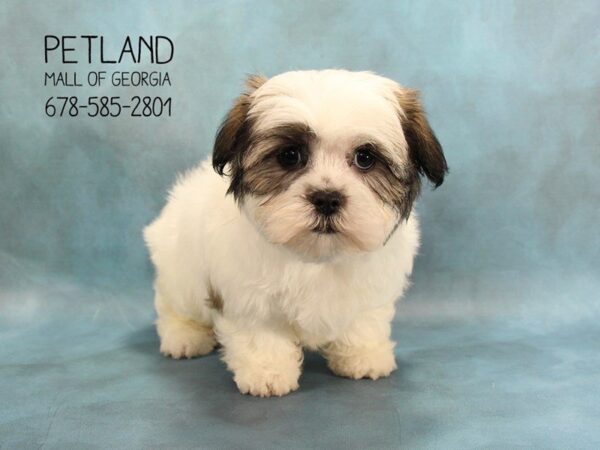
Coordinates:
<point>80,369</point>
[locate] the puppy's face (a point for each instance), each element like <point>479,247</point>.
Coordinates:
<point>327,162</point>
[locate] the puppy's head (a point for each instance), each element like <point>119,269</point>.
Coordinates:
<point>326,162</point>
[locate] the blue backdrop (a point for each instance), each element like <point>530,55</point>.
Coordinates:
<point>497,339</point>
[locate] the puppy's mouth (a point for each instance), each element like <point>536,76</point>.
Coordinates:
<point>326,227</point>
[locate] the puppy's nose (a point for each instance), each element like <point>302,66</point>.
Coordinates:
<point>327,202</point>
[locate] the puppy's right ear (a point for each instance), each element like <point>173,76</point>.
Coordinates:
<point>233,134</point>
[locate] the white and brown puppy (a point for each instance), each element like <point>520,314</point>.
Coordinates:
<point>316,241</point>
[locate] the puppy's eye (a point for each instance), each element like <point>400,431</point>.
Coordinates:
<point>364,158</point>
<point>290,157</point>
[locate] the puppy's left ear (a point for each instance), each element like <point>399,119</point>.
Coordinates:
<point>424,149</point>
<point>233,134</point>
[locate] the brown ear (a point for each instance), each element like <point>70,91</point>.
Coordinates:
<point>233,133</point>
<point>424,149</point>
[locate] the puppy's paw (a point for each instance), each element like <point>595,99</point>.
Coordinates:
<point>265,383</point>
<point>184,338</point>
<point>363,363</point>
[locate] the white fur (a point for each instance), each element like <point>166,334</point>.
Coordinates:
<point>284,288</point>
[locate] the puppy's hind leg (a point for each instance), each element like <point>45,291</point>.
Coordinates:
<point>180,336</point>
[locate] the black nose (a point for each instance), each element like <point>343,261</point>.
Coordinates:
<point>327,202</point>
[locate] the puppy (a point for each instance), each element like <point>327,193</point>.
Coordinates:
<point>302,235</point>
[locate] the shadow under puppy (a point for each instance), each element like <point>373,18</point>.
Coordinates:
<point>302,235</point>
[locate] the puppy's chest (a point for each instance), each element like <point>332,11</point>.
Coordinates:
<point>321,303</point>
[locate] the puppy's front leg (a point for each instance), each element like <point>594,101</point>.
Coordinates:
<point>265,359</point>
<point>365,349</point>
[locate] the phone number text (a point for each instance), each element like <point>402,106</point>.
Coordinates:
<point>136,106</point>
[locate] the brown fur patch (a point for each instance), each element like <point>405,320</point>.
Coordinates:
<point>424,149</point>
<point>394,185</point>
<point>234,134</point>
<point>263,175</point>
<point>214,299</point>
<point>253,82</point>
<point>397,192</point>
